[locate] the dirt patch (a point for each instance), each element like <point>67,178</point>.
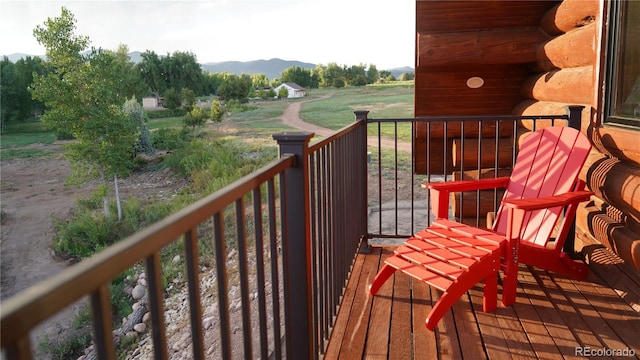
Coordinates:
<point>33,192</point>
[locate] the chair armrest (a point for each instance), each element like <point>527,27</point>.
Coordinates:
<point>468,185</point>
<point>565,199</point>
<point>440,191</point>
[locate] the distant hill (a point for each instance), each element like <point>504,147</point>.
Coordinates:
<point>399,71</point>
<point>17,56</point>
<point>136,56</point>
<point>272,68</point>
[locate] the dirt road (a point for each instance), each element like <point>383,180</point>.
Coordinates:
<point>291,117</point>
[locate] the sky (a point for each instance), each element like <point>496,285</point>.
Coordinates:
<point>347,32</point>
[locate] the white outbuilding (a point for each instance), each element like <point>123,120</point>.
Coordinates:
<point>294,90</point>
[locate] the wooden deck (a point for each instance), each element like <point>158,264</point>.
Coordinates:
<point>553,316</point>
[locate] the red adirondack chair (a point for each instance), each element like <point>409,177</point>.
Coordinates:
<point>453,257</point>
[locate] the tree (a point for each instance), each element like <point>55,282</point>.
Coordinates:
<point>386,76</point>
<point>297,75</point>
<point>372,74</point>
<point>195,117</point>
<point>356,72</point>
<point>8,91</point>
<point>331,75</point>
<point>235,87</point>
<point>217,112</point>
<point>151,72</point>
<point>178,70</point>
<point>132,84</point>
<point>134,110</point>
<point>212,82</point>
<point>188,99</point>
<point>16,102</point>
<point>259,80</point>
<point>82,99</point>
<point>181,70</point>
<point>25,68</point>
<point>172,99</point>
<point>359,80</point>
<point>283,93</point>
<point>406,76</point>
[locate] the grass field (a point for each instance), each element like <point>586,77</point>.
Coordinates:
<point>330,108</point>
<point>336,111</point>
<point>22,140</point>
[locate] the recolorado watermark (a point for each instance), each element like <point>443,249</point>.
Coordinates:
<point>588,351</point>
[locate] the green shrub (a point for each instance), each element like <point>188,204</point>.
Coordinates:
<point>169,139</point>
<point>89,231</point>
<point>236,106</point>
<point>217,112</point>
<point>71,347</point>
<point>194,118</point>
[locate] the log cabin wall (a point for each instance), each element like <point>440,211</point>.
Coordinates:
<point>458,40</point>
<point>535,57</point>
<point>571,73</point>
<point>495,41</point>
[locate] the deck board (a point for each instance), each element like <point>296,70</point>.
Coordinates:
<point>551,317</point>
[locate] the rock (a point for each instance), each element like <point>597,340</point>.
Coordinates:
<point>131,335</point>
<point>208,322</point>
<point>142,281</point>
<point>176,259</point>
<point>146,317</point>
<point>138,292</point>
<point>140,328</point>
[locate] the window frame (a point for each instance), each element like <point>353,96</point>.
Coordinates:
<point>616,24</point>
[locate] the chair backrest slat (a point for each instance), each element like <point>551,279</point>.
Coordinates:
<point>548,163</point>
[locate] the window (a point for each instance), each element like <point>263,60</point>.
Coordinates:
<point>623,64</point>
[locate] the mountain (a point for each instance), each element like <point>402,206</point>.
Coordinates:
<point>136,56</point>
<point>396,72</point>
<point>272,68</point>
<point>17,56</point>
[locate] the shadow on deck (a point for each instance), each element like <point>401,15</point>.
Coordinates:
<point>553,317</point>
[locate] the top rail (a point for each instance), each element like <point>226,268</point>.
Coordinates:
<point>469,118</point>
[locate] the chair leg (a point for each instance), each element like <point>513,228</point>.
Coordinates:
<point>382,276</point>
<point>575,269</point>
<point>449,297</point>
<point>490,294</point>
<point>510,284</point>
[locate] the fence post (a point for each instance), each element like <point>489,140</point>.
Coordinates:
<point>575,121</point>
<point>298,290</point>
<point>362,116</point>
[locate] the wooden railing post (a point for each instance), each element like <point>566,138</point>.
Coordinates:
<point>575,116</point>
<point>298,290</point>
<point>362,115</point>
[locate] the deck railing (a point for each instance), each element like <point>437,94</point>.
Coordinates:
<point>287,290</point>
<point>399,207</point>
